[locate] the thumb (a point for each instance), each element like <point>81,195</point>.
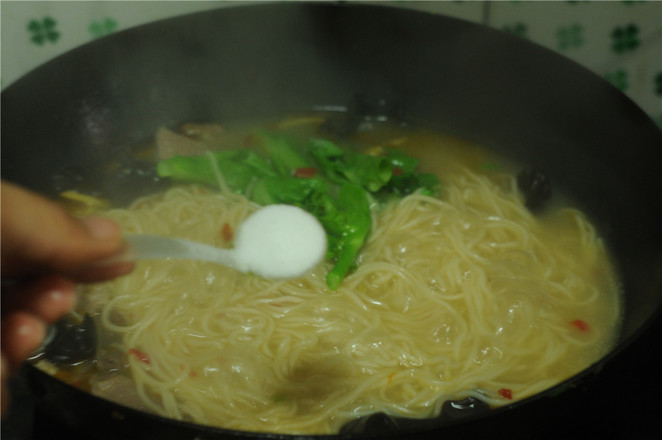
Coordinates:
<point>40,237</point>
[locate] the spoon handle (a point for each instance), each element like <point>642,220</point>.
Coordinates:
<point>145,246</point>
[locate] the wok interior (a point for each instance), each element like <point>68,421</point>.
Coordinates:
<point>86,107</point>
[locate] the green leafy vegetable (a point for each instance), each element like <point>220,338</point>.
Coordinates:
<point>334,184</point>
<point>405,179</point>
<point>398,159</point>
<point>327,154</point>
<point>284,156</point>
<point>304,193</point>
<point>369,172</point>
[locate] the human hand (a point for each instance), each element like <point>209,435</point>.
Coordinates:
<point>44,252</point>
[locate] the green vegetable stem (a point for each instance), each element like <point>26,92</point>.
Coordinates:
<point>239,168</point>
<point>284,156</point>
<point>348,228</point>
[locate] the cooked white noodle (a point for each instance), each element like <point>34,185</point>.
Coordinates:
<point>464,295</point>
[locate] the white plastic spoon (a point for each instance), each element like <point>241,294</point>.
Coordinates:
<point>275,242</point>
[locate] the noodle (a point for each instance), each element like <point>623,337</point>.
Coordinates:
<point>460,296</point>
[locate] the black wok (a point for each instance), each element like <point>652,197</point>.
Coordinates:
<point>83,109</point>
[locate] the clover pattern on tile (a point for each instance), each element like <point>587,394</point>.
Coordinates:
<point>571,36</point>
<point>618,79</point>
<point>43,31</point>
<point>518,29</point>
<point>625,38</point>
<point>99,28</point>
<point>658,84</point>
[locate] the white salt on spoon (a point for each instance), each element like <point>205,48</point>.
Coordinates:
<point>275,242</point>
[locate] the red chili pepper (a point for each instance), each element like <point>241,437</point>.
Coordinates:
<point>141,356</point>
<point>305,172</point>
<point>397,171</point>
<point>227,233</point>
<point>506,393</point>
<point>580,324</point>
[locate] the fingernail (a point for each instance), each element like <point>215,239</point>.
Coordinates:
<point>101,227</point>
<point>34,329</point>
<point>58,296</point>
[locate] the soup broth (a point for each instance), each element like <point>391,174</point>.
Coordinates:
<point>464,293</point>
